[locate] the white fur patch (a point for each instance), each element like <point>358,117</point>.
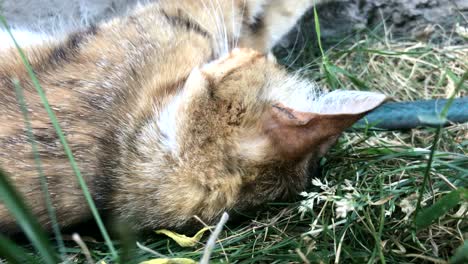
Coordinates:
<point>23,37</point>
<point>167,124</point>
<point>302,95</point>
<point>296,93</point>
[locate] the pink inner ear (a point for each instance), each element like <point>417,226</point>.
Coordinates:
<point>294,134</point>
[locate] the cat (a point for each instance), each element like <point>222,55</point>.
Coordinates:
<point>176,110</point>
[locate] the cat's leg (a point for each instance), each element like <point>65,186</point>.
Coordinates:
<point>270,20</point>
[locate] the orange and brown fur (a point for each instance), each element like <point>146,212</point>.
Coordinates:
<point>173,111</point>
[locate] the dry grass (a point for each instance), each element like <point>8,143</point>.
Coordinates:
<point>362,206</point>
<point>408,70</point>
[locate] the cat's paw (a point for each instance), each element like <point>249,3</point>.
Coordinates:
<point>270,20</point>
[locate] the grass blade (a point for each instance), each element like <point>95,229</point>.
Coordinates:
<point>427,172</point>
<point>461,255</point>
<point>456,91</point>
<point>12,253</point>
<point>355,80</point>
<point>442,116</point>
<point>327,66</point>
<point>26,220</point>
<point>37,161</point>
<point>440,208</point>
<point>63,141</point>
<point>318,32</point>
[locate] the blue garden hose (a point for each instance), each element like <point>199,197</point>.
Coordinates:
<point>407,115</point>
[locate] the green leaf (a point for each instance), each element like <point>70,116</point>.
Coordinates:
<point>26,220</point>
<point>13,253</point>
<point>330,75</point>
<point>459,86</point>
<point>355,80</point>
<point>461,255</point>
<point>428,215</point>
<point>317,30</point>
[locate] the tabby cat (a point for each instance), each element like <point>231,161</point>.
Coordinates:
<point>176,110</point>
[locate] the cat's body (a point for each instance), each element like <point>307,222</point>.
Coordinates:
<point>165,119</point>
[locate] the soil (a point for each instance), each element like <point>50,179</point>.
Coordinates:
<point>420,19</point>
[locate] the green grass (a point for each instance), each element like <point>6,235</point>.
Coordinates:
<point>38,163</point>
<point>382,197</point>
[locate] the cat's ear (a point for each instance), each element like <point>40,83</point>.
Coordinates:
<point>211,74</point>
<point>216,70</point>
<point>294,133</point>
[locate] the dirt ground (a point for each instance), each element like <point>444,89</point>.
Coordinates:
<point>421,19</point>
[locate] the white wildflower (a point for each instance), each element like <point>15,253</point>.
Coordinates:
<point>349,196</point>
<point>312,198</point>
<point>343,206</point>
<point>428,195</point>
<point>315,198</point>
<point>317,182</point>
<point>348,186</point>
<point>391,209</point>
<point>408,205</point>
<point>325,186</point>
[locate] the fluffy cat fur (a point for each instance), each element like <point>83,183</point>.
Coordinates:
<point>173,111</point>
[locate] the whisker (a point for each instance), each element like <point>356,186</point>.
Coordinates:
<point>292,49</point>
<point>212,14</point>
<point>218,30</point>
<point>237,36</point>
<point>224,29</point>
<point>233,17</point>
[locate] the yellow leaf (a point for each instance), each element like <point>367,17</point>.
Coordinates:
<point>183,240</point>
<point>382,201</point>
<point>169,261</point>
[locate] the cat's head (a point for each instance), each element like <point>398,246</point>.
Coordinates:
<point>243,131</point>
<point>245,116</point>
